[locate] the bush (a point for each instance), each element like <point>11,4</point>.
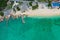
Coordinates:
<point>20,3</point>
<point>18,8</point>
<point>3,4</point>
<point>49,4</point>
<point>1,14</point>
<point>30,3</point>
<point>9,6</point>
<point>34,7</point>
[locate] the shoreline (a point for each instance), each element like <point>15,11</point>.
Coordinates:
<point>41,12</point>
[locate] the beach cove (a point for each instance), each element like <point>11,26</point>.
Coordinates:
<point>30,20</point>
<point>35,28</point>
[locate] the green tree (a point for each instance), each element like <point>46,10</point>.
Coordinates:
<point>1,13</point>
<point>49,3</point>
<point>35,7</point>
<point>3,4</point>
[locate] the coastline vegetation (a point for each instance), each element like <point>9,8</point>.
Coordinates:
<point>18,8</point>
<point>34,7</point>
<point>3,4</point>
<point>49,4</point>
<point>1,13</point>
<point>30,3</point>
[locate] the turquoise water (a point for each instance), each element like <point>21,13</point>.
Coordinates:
<point>35,28</point>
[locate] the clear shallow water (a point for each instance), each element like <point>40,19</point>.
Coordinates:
<point>35,28</point>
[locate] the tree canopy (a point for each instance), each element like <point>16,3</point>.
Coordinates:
<point>1,13</point>
<point>3,4</point>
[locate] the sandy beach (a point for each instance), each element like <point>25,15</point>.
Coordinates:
<point>40,12</point>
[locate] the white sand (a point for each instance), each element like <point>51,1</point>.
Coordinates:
<point>41,12</point>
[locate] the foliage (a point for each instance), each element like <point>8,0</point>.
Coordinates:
<point>20,3</point>
<point>1,13</point>
<point>9,6</point>
<point>30,3</point>
<point>3,4</point>
<point>18,8</point>
<point>49,4</point>
<point>34,7</point>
